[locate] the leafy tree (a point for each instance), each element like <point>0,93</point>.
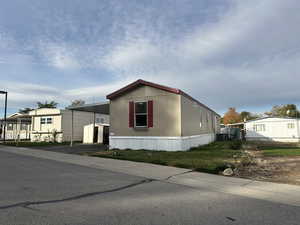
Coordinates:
<point>47,104</point>
<point>77,102</point>
<point>25,110</point>
<point>245,116</point>
<point>231,116</point>
<point>288,110</point>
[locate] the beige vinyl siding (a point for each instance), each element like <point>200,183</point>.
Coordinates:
<point>46,113</point>
<point>166,113</point>
<point>80,119</point>
<point>55,125</point>
<point>192,115</point>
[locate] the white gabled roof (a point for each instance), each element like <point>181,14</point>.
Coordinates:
<point>273,117</point>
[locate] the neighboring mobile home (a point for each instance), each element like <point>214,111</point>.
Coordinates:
<point>273,129</point>
<point>146,115</point>
<point>50,124</point>
<point>18,127</point>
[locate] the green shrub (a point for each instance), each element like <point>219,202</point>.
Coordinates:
<point>235,145</point>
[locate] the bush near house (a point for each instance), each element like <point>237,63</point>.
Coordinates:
<point>211,158</point>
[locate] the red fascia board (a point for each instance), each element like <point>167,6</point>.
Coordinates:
<point>138,83</point>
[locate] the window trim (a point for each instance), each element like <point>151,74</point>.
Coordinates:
<point>291,126</point>
<point>49,119</point>
<point>255,126</point>
<point>146,102</point>
<point>45,120</point>
<point>23,126</point>
<point>10,126</point>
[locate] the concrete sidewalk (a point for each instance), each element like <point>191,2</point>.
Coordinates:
<point>280,193</point>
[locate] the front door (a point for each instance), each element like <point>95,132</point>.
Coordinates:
<point>105,135</point>
<point>95,140</point>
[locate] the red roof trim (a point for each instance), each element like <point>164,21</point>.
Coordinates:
<point>158,86</point>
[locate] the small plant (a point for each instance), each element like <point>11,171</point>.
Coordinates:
<point>54,135</point>
<point>116,153</point>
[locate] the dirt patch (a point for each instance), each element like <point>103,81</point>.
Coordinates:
<point>274,169</point>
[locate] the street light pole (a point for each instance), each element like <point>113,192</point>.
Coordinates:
<point>5,111</point>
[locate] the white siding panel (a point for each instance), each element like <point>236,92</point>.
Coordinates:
<point>160,143</point>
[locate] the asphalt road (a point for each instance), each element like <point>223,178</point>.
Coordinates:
<point>38,191</point>
<point>77,148</point>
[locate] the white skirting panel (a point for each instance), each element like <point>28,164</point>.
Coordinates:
<point>159,143</point>
<point>276,139</point>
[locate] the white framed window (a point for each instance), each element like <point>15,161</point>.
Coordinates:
<point>259,127</point>
<point>100,120</point>
<point>49,120</point>
<point>10,126</point>
<point>290,125</point>
<point>43,120</point>
<point>140,114</point>
<point>23,126</point>
<point>46,120</point>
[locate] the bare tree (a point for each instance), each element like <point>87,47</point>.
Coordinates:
<point>77,102</point>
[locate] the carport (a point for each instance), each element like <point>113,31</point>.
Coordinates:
<point>101,108</point>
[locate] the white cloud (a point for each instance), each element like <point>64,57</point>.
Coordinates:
<point>59,56</point>
<point>235,57</point>
<point>248,55</point>
<point>97,91</point>
<point>21,94</point>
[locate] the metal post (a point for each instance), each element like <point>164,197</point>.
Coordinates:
<point>72,127</point>
<point>18,130</point>
<point>5,111</point>
<point>94,126</point>
<point>297,125</point>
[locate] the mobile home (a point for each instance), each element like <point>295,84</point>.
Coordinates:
<point>273,129</point>
<point>18,127</point>
<point>146,115</point>
<point>50,124</point>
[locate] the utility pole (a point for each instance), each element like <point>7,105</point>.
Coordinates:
<point>5,111</point>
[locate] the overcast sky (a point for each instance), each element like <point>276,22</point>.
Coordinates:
<point>244,54</point>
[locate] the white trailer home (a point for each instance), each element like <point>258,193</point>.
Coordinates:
<point>18,127</point>
<point>273,129</point>
<point>50,124</point>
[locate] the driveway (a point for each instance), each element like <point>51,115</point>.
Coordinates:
<point>42,187</point>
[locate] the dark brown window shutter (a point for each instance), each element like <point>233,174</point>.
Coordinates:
<point>150,113</point>
<point>131,114</point>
